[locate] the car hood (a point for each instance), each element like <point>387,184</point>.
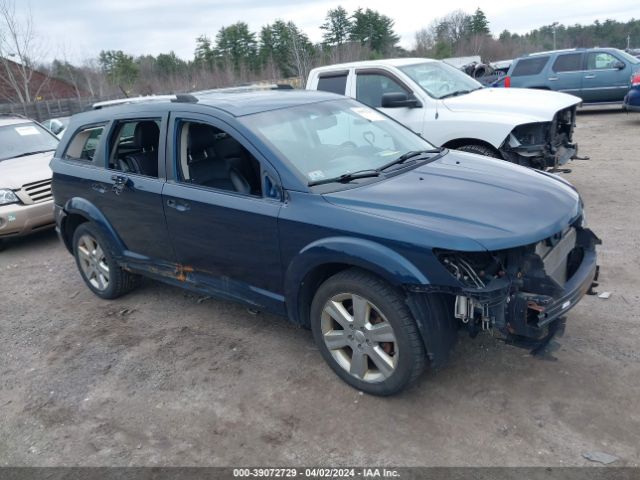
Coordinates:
<point>15,172</point>
<point>540,105</point>
<point>468,202</point>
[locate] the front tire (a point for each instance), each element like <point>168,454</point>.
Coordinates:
<point>480,150</point>
<point>366,333</point>
<point>97,265</point>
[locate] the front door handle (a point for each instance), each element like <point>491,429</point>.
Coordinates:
<point>178,205</point>
<point>589,76</point>
<point>119,183</point>
<point>553,79</point>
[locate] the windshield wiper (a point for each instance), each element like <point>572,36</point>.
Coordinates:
<point>26,154</point>
<point>459,92</point>
<point>346,177</point>
<point>407,156</point>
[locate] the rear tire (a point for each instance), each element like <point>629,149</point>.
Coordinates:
<point>97,265</point>
<point>480,150</point>
<point>366,333</point>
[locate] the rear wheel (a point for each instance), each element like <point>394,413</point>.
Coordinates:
<point>366,333</point>
<point>480,150</point>
<point>97,265</point>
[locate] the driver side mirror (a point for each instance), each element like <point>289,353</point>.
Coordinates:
<point>619,65</point>
<point>399,100</point>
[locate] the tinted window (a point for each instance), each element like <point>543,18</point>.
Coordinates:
<point>134,147</point>
<point>529,66</point>
<point>334,84</point>
<point>601,61</point>
<point>571,62</point>
<point>371,86</point>
<point>24,139</point>
<point>84,143</point>
<point>212,158</point>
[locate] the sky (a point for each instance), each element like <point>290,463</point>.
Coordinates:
<point>78,30</point>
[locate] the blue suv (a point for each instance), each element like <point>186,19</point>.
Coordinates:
<point>597,75</point>
<point>316,207</point>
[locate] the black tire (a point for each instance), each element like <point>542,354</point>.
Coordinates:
<point>120,281</point>
<point>411,359</point>
<point>480,150</point>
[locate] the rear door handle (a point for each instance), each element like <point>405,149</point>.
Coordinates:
<point>98,187</point>
<point>178,205</point>
<point>553,79</point>
<point>589,76</point>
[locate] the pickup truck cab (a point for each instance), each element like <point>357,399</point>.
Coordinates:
<point>452,110</point>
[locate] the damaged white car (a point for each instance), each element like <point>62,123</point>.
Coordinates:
<point>450,109</point>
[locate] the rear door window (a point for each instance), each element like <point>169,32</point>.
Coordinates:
<point>134,146</point>
<point>570,62</point>
<point>529,66</point>
<point>334,83</point>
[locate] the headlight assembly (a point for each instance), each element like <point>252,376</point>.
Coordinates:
<point>7,196</point>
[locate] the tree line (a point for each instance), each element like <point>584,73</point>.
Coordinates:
<point>281,50</point>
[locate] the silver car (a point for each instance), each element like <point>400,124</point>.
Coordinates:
<point>26,203</point>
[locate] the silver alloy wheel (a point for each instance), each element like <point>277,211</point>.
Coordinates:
<point>359,337</point>
<point>93,262</point>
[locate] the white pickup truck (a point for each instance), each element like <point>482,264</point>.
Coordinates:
<point>452,110</point>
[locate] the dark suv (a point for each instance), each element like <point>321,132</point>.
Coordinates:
<point>316,207</point>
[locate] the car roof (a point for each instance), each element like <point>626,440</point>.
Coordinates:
<point>391,62</point>
<point>233,102</point>
<point>11,120</point>
<point>568,50</point>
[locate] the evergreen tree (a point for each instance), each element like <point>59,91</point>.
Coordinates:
<point>374,29</point>
<point>336,27</point>
<point>479,24</point>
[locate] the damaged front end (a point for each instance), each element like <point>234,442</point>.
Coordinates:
<point>543,145</point>
<point>521,294</point>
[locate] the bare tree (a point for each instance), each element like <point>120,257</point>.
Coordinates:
<point>20,51</point>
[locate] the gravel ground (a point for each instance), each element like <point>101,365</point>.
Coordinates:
<point>164,377</point>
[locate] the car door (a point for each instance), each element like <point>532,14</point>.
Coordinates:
<point>371,84</point>
<point>225,239</point>
<point>604,80</point>
<point>566,73</point>
<point>131,201</point>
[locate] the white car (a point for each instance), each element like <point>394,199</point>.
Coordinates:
<point>450,109</point>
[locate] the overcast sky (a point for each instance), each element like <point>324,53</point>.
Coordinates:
<point>83,28</point>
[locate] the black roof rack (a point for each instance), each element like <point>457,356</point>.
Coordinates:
<point>185,98</point>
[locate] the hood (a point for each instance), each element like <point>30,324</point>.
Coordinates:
<point>491,203</point>
<point>540,105</point>
<point>15,172</point>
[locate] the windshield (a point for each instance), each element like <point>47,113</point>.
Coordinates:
<point>22,139</point>
<point>440,80</point>
<point>328,139</point>
<point>628,57</point>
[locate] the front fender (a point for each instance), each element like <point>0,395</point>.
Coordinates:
<point>84,208</point>
<point>356,252</point>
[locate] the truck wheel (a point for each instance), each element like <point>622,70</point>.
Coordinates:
<point>366,333</point>
<point>480,150</point>
<point>97,265</point>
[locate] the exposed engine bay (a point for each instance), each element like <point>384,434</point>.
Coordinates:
<point>543,145</point>
<point>520,294</point>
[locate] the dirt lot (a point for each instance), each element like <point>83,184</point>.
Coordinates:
<point>163,377</point>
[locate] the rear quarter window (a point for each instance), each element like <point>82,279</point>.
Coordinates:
<point>529,66</point>
<point>333,83</point>
<point>84,143</point>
